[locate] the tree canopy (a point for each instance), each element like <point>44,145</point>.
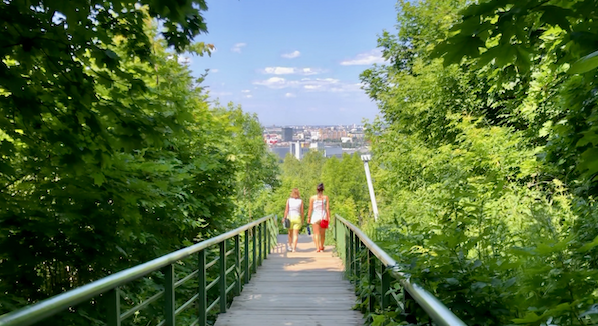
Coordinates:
<point>110,154</point>
<point>483,157</point>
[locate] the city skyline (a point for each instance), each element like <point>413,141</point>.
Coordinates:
<point>291,62</point>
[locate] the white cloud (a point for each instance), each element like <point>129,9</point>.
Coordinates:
<point>279,70</point>
<point>346,88</point>
<point>237,47</point>
<point>331,85</point>
<point>273,82</point>
<point>245,91</point>
<point>291,71</point>
<point>311,71</point>
<point>365,59</point>
<point>291,55</point>
<point>214,70</point>
<point>248,96</point>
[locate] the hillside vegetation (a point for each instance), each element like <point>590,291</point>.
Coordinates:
<point>111,154</point>
<point>485,157</point>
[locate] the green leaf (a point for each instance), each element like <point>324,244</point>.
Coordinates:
<point>6,169</point>
<point>111,54</point>
<point>454,49</point>
<point>452,281</point>
<point>590,245</point>
<point>555,15</point>
<point>523,61</point>
<point>481,8</point>
<point>530,317</point>
<point>378,320</point>
<point>6,147</point>
<point>589,137</point>
<point>584,64</point>
<point>98,178</point>
<point>505,55</point>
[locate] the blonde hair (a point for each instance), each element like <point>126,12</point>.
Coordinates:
<point>295,193</point>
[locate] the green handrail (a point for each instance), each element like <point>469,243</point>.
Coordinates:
<point>108,287</point>
<point>352,242</point>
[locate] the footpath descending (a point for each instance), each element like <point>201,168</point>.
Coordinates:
<point>295,289</point>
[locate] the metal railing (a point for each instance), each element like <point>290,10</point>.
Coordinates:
<point>361,255</point>
<point>258,239</point>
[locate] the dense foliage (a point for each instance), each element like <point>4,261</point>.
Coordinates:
<point>485,159</point>
<point>110,153</point>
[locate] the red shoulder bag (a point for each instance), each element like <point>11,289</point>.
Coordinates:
<point>325,221</point>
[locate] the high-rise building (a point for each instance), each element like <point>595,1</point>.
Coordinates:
<point>287,134</point>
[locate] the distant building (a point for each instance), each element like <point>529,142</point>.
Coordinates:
<point>357,135</point>
<point>316,145</point>
<point>280,151</point>
<point>336,151</point>
<point>271,138</point>
<point>293,149</point>
<point>287,134</point>
<point>296,150</point>
<point>299,150</point>
<point>331,133</point>
<point>315,135</point>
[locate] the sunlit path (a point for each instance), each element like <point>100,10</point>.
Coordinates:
<point>295,288</point>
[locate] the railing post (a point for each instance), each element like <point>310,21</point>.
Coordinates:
<point>350,255</point>
<point>254,253</point>
<point>260,244</point>
<point>238,264</point>
<point>246,259</point>
<point>343,250</point>
<point>357,247</point>
<point>269,236</point>
<point>275,231</point>
<point>409,304</point>
<point>113,307</point>
<point>223,276</point>
<point>334,226</point>
<point>169,300</point>
<point>372,280</point>
<point>344,244</point>
<point>202,300</point>
<point>385,297</point>
<point>266,239</point>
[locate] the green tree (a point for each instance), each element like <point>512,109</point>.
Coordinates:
<point>258,170</point>
<point>472,167</point>
<point>346,186</point>
<point>110,153</point>
<point>519,40</point>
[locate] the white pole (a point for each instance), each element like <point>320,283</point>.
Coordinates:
<point>298,150</point>
<point>365,159</point>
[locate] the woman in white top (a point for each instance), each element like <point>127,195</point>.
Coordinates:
<point>319,209</point>
<point>294,212</point>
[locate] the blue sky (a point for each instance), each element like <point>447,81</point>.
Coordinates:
<point>294,62</point>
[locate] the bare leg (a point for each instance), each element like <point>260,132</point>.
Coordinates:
<point>295,238</point>
<point>322,238</point>
<point>290,238</point>
<point>316,235</point>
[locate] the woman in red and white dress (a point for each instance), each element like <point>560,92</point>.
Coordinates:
<point>319,210</point>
